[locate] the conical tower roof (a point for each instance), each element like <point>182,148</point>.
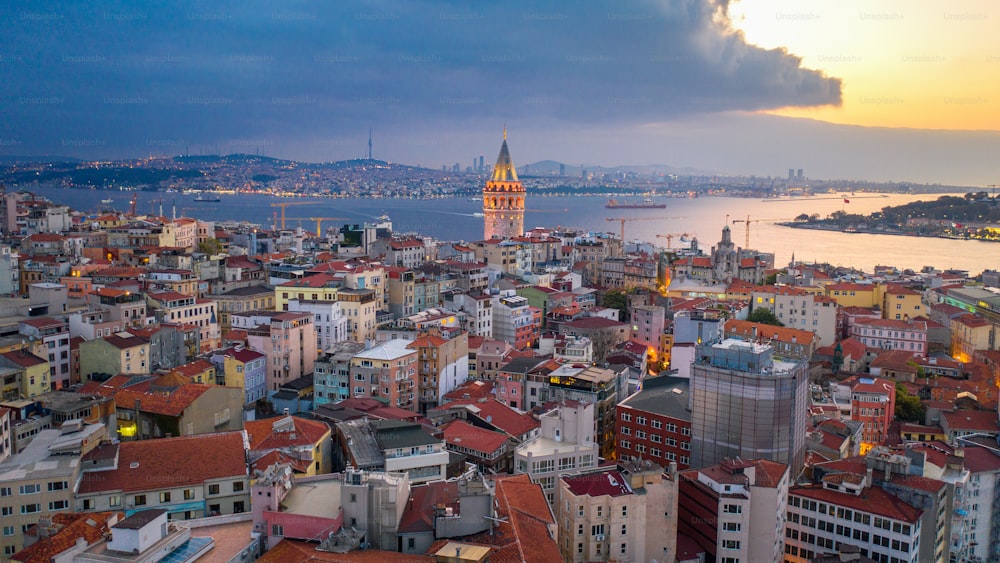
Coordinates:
<point>504,170</point>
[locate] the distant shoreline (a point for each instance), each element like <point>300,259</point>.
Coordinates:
<point>864,231</point>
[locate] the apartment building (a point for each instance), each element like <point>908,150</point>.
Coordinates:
<point>627,513</point>
<point>734,509</point>
<point>189,476</point>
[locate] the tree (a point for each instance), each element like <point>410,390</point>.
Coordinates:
<point>764,316</point>
<point>617,299</point>
<point>210,246</point>
<point>908,407</point>
<point>771,279</point>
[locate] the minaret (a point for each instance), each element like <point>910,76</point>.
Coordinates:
<point>503,199</point>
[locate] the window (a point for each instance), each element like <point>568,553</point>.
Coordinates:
<point>731,526</point>
<point>30,508</point>
<point>165,497</point>
<point>58,485</point>
<point>115,500</point>
<point>732,509</point>
<point>5,492</point>
<point>7,511</point>
<point>188,494</point>
<point>239,507</point>
<point>8,530</point>
<point>277,530</point>
<point>627,417</point>
<point>213,489</point>
<point>730,544</point>
<point>624,513</point>
<point>140,500</point>
<point>30,489</point>
<point>237,486</point>
<point>59,505</point>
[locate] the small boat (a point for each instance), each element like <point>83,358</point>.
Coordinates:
<point>108,200</point>
<point>208,198</point>
<point>646,204</point>
<point>478,214</point>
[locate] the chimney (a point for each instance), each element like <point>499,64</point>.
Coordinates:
<point>284,411</point>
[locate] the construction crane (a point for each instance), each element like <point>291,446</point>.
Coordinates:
<point>285,204</point>
<point>746,221</point>
<point>671,236</point>
<point>319,222</point>
<point>623,220</point>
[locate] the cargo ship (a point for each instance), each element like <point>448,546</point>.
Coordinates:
<point>646,204</point>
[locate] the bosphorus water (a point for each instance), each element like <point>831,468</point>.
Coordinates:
<point>454,219</point>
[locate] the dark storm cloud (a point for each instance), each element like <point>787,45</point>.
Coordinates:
<point>124,77</point>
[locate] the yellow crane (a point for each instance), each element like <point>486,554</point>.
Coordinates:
<point>746,221</point>
<point>671,236</point>
<point>319,222</point>
<point>285,204</point>
<point>624,220</point>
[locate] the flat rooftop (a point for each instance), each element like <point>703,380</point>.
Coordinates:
<point>663,395</point>
<point>316,498</point>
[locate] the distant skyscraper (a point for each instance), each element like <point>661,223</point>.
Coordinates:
<point>482,164</point>
<point>503,199</point>
<point>791,173</point>
<point>747,404</point>
<point>562,169</point>
<point>369,143</point>
<point>800,177</point>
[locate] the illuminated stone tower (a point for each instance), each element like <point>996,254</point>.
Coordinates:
<point>503,199</point>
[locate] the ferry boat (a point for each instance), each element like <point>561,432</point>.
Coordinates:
<point>645,204</point>
<point>208,198</point>
<point>108,200</point>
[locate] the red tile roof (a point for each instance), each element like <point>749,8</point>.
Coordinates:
<point>170,403</point>
<point>752,330</point>
<point>147,465</point>
<point>299,465</point>
<point>72,526</point>
<point>524,537</point>
<point>124,342</point>
<point>470,390</point>
<point>501,416</point>
<point>23,358</point>
<point>43,322</point>
<point>304,432</point>
<point>463,434</point>
<point>873,500</point>
<point>418,516</point>
<point>979,421</point>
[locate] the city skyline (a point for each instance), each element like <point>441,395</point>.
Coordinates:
<point>742,88</point>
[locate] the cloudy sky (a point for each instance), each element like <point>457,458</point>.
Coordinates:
<point>896,89</point>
